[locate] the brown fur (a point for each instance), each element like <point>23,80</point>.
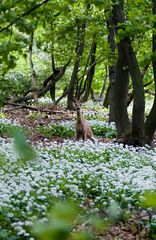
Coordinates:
<point>83,129</point>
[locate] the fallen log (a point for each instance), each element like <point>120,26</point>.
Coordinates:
<point>50,111</point>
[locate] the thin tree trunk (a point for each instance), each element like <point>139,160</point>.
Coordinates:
<point>112,74</point>
<point>104,85</point>
<point>131,95</point>
<point>79,51</point>
<point>53,88</point>
<point>150,125</point>
<point>112,68</point>
<point>90,73</point>
<point>106,99</point>
<point>33,73</point>
<point>81,80</point>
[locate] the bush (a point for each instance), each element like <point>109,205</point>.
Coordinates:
<point>66,130</point>
<point>104,131</point>
<point>56,130</point>
<point>5,129</point>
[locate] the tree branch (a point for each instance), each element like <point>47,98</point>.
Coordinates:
<point>24,14</point>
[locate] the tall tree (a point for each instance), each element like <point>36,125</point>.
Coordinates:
<point>150,125</point>
<point>120,96</point>
<point>33,73</point>
<point>112,67</point>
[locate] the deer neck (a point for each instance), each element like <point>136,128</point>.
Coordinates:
<point>79,116</point>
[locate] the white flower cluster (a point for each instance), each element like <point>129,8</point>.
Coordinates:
<point>101,172</point>
<point>102,124</point>
<point>90,114</point>
<point>7,121</point>
<point>45,100</point>
<point>71,124</point>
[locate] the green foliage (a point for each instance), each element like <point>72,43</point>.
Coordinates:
<point>5,129</point>
<point>56,130</point>
<point>67,131</point>
<point>55,31</point>
<point>1,102</point>
<point>14,84</point>
<point>104,131</point>
<point>62,218</point>
<point>149,199</point>
<point>6,234</point>
<point>24,148</point>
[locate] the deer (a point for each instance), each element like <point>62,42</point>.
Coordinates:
<point>83,129</point>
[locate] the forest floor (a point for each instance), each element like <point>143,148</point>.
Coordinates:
<point>133,228</point>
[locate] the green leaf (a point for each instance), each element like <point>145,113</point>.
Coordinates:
<point>1,101</point>
<point>24,149</point>
<point>149,199</point>
<point>83,235</point>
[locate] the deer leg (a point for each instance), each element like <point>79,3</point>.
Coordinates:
<point>77,137</point>
<point>84,137</point>
<point>92,139</point>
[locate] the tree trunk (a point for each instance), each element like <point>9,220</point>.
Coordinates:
<point>112,74</point>
<point>79,51</point>
<point>90,73</point>
<point>150,125</point>
<point>120,97</point>
<point>104,85</point>
<point>106,99</point>
<point>112,68</point>
<point>33,73</point>
<point>52,92</point>
<point>80,83</point>
<point>137,133</point>
<point>53,88</point>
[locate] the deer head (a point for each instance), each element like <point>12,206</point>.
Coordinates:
<point>77,104</point>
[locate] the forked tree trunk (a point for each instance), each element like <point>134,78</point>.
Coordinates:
<point>150,125</point>
<point>137,132</point>
<point>79,51</point>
